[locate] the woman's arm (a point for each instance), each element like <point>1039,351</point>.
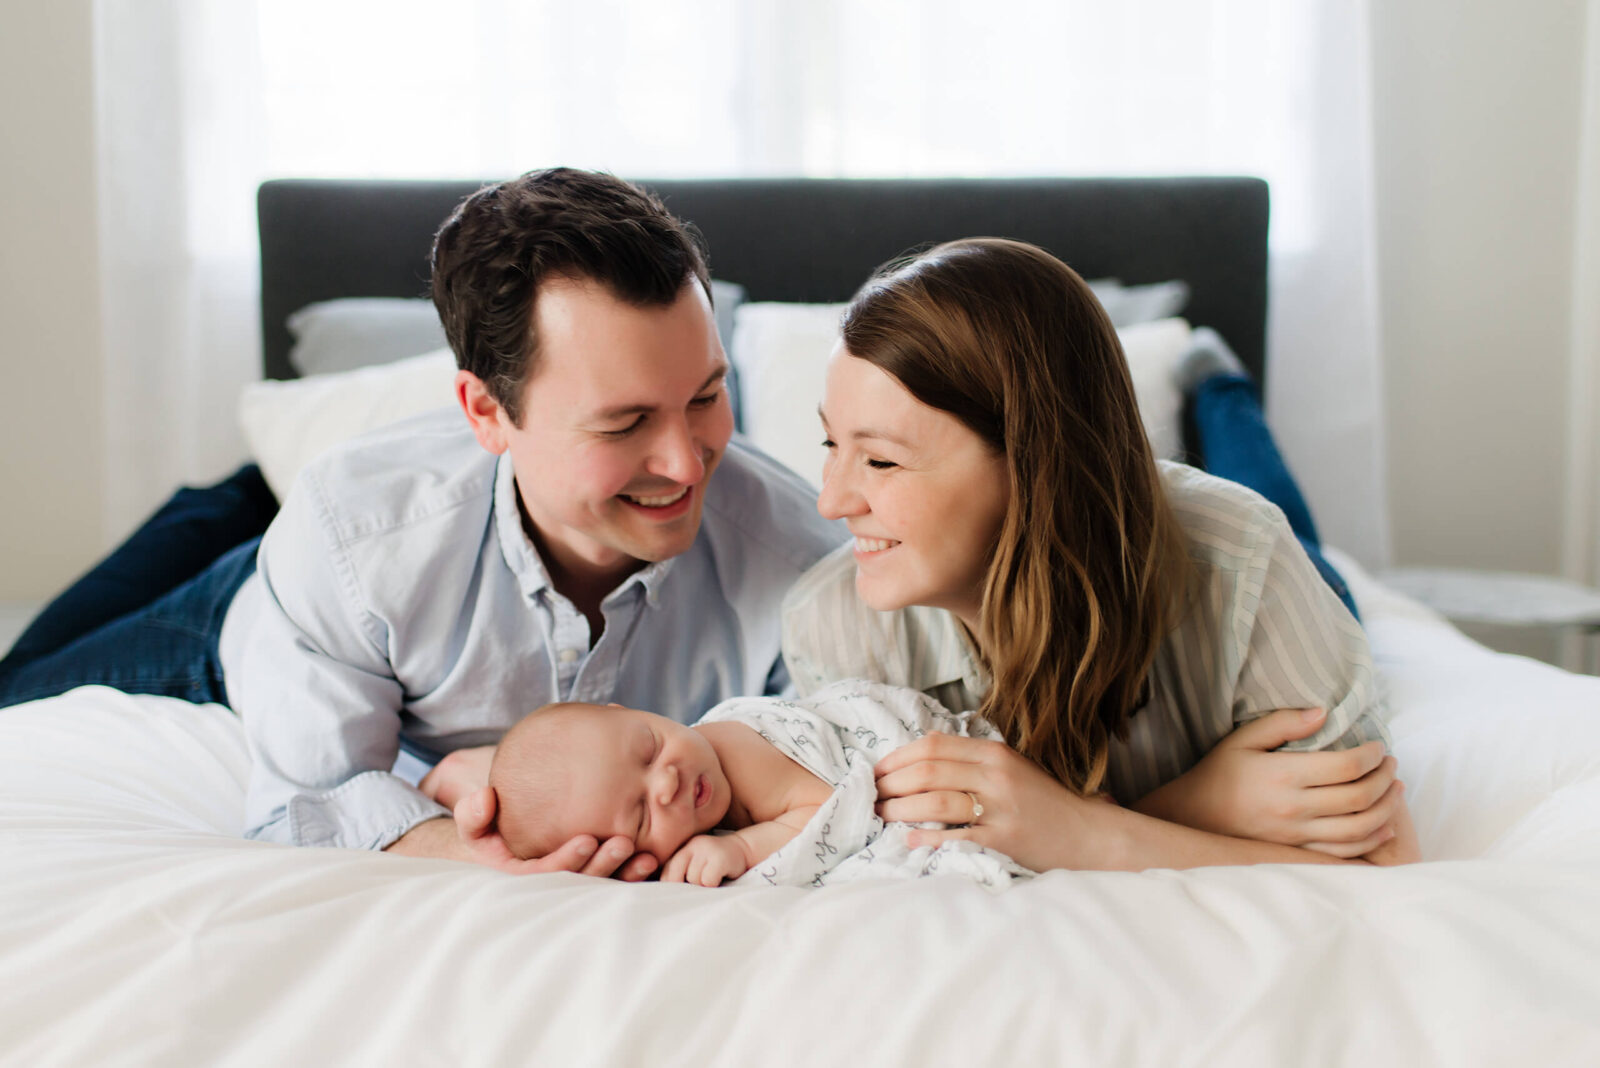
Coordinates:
<point>1283,642</point>
<point>1339,802</point>
<point>1039,823</point>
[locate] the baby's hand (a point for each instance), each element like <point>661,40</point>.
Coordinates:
<point>706,860</point>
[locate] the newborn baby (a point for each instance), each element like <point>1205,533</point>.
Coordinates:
<point>790,782</point>
<point>605,770</point>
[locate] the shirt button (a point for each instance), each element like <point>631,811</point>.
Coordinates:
<point>568,655</point>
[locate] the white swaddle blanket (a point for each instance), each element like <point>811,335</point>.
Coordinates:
<point>838,734</point>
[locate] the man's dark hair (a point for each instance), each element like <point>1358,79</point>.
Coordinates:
<point>496,249</point>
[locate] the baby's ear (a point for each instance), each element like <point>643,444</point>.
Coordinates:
<point>475,813</point>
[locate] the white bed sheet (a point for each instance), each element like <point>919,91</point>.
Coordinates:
<point>136,928</point>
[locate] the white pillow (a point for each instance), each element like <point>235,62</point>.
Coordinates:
<point>1153,350</point>
<point>288,424</point>
<point>781,352</point>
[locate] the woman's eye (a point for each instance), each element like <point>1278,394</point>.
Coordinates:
<point>828,444</point>
<point>881,465</point>
<point>706,401</point>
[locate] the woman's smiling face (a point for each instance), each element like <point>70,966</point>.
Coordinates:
<point>923,494</point>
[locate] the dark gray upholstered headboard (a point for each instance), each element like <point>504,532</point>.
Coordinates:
<point>809,239</point>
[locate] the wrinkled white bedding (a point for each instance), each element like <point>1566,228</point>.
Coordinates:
<point>135,928</point>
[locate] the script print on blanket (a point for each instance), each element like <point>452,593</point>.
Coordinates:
<point>838,734</point>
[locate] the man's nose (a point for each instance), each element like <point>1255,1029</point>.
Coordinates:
<point>678,456</point>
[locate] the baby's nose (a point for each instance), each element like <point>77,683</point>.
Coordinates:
<point>669,784</point>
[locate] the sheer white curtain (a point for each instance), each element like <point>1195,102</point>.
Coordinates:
<point>204,99</point>
<point>1581,534</point>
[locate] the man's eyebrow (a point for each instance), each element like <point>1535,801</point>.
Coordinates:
<point>645,409</point>
<point>868,433</point>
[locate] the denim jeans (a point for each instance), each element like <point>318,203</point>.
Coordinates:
<point>1236,445</point>
<point>147,618</point>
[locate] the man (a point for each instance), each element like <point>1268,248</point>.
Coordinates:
<point>437,580</point>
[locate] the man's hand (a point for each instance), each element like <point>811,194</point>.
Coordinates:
<point>707,860</point>
<point>460,773</point>
<point>471,837</point>
<point>1343,803</point>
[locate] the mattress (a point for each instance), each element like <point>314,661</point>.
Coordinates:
<point>136,926</point>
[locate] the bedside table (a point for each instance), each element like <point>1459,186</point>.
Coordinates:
<point>1504,598</point>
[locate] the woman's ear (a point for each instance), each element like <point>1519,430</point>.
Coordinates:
<point>485,414</point>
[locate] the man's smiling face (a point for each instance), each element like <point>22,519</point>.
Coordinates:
<point>623,422</point>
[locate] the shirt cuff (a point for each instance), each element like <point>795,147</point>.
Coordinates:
<point>369,811</point>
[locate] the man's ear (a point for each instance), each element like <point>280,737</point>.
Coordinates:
<point>475,813</point>
<point>488,419</point>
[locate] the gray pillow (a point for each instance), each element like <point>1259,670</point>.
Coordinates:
<point>726,297</point>
<point>351,332</point>
<point>1128,305</point>
<point>341,335</point>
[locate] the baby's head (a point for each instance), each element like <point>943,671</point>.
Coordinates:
<point>605,770</point>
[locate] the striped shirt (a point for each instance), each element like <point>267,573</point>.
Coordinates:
<point>1262,632</point>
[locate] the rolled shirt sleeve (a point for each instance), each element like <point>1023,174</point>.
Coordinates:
<point>1301,648</point>
<point>308,673</point>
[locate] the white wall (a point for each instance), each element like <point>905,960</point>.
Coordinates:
<point>51,441</point>
<point>1476,107</point>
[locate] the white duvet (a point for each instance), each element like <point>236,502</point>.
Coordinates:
<point>136,928</point>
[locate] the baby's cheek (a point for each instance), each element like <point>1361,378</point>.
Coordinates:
<point>664,849</point>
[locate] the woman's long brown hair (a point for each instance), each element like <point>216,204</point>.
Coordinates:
<point>1089,571</point>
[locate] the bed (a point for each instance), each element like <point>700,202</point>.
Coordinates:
<point>138,927</point>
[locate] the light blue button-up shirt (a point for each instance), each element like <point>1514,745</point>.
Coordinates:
<point>398,599</point>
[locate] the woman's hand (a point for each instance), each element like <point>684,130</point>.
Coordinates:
<point>1343,803</point>
<point>459,774</point>
<point>1026,814</point>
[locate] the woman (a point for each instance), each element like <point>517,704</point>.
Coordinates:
<point>1018,550</point>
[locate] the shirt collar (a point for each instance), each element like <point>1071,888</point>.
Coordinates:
<point>973,674</point>
<point>518,550</point>
<point>524,560</point>
<point>952,658</point>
